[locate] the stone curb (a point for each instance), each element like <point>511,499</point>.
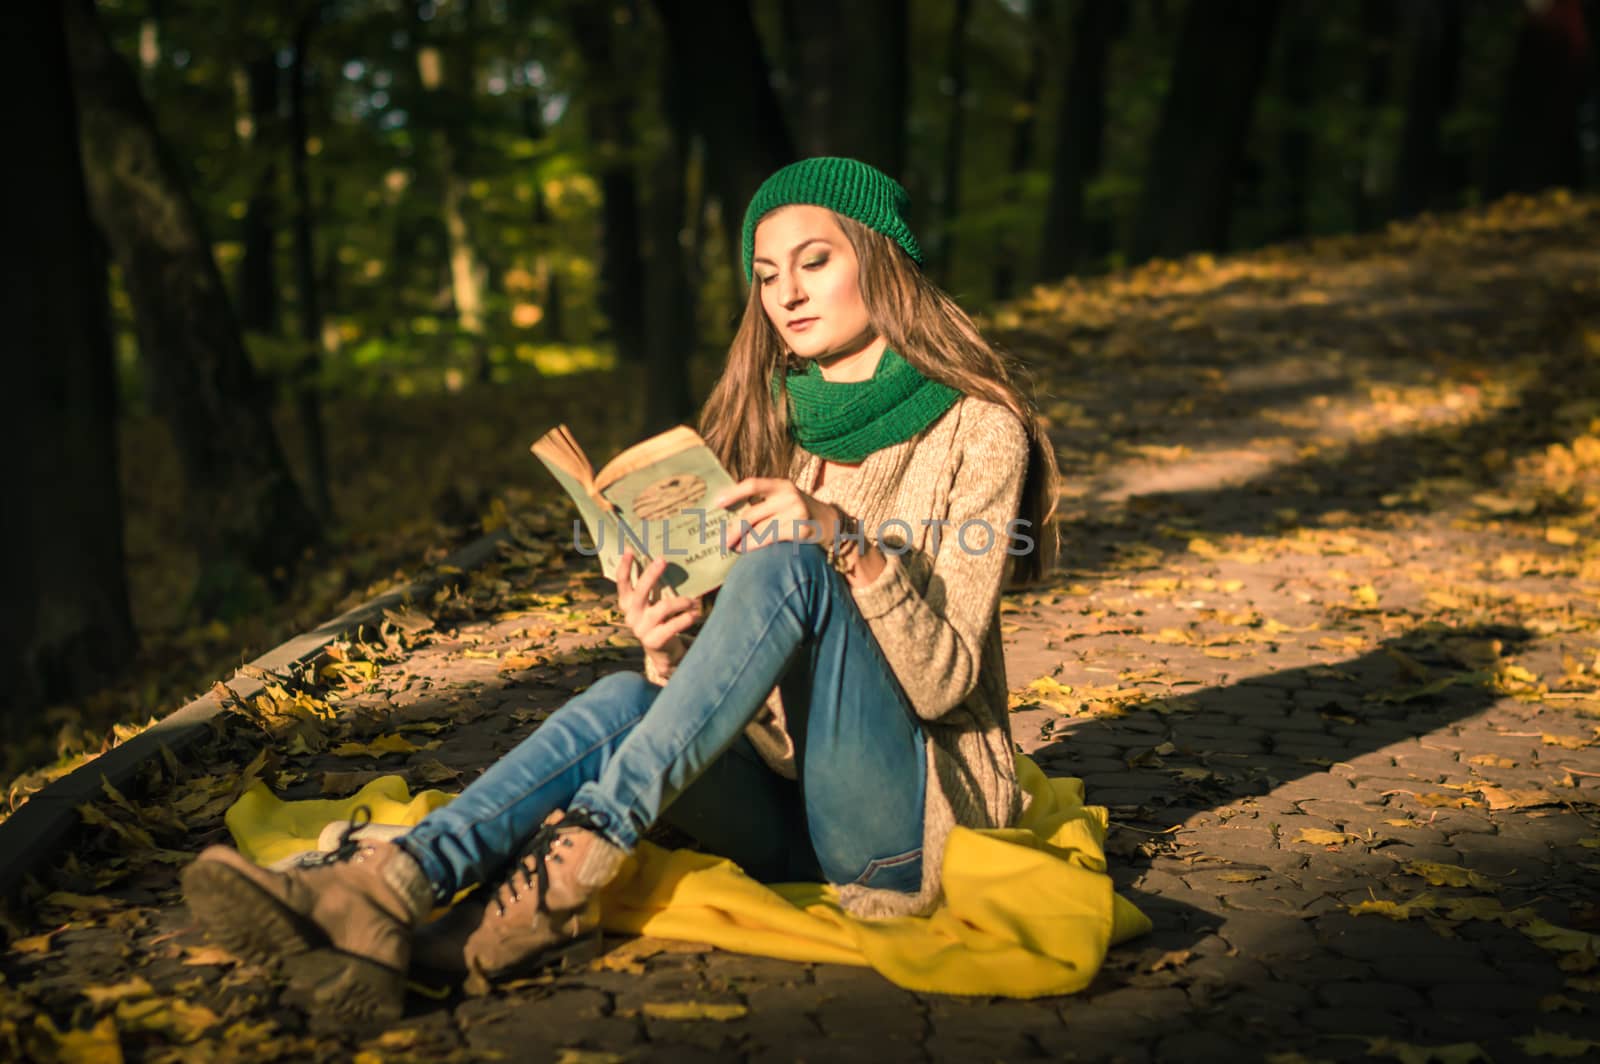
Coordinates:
<point>34,833</point>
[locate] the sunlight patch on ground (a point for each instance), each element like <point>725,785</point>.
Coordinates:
<point>1318,426</point>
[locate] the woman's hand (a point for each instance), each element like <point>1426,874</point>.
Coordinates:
<point>657,620</point>
<point>779,503</point>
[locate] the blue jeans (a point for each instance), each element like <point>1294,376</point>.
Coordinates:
<point>631,753</point>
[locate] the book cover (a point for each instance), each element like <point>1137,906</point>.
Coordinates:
<point>653,497</point>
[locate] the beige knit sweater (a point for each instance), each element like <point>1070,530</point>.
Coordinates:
<point>935,614</point>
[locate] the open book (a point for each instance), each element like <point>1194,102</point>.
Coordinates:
<point>654,497</point>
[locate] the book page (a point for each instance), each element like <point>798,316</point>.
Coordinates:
<point>602,526</point>
<point>559,448</point>
<point>647,453</point>
<point>665,511</point>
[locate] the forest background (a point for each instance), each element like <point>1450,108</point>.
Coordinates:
<point>299,280</point>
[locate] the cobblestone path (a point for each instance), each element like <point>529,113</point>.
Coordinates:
<point>1325,640</point>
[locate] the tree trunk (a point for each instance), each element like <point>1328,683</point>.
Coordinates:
<point>669,295</point>
<point>1194,158</point>
<point>1424,177</point>
<point>944,245</point>
<point>1537,144</point>
<point>611,134</point>
<point>328,289</point>
<point>449,88</point>
<point>1070,240</point>
<point>553,327</point>
<point>699,199</point>
<point>730,101</point>
<point>246,514</point>
<point>1590,135</point>
<point>308,368</point>
<point>257,279</point>
<point>1023,122</point>
<point>151,31</point>
<point>469,273</point>
<point>1294,146</point>
<point>1377,35</point>
<point>846,67</point>
<point>66,625</point>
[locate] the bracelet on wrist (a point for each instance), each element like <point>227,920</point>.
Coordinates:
<point>844,552</point>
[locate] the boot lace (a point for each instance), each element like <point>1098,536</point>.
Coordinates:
<point>531,871</point>
<point>348,845</point>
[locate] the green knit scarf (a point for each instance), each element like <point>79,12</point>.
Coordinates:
<point>844,421</point>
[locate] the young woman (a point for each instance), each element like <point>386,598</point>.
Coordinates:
<point>843,705</point>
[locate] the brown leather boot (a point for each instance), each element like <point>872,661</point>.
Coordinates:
<point>440,947</point>
<point>362,900</point>
<point>548,897</point>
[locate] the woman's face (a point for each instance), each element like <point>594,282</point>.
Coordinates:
<point>809,281</point>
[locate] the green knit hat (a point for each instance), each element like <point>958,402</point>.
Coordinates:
<point>845,186</point>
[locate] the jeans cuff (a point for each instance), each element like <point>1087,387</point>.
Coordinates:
<point>612,824</point>
<point>439,878</point>
<point>902,872</point>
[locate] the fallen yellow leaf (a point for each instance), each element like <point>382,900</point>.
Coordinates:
<point>1510,798</point>
<point>1406,1053</point>
<point>1561,939</point>
<point>348,670</point>
<point>429,727</point>
<point>1414,669</point>
<point>628,957</point>
<point>1560,1003</point>
<point>1173,958</point>
<point>694,1010</point>
<point>1396,910</point>
<point>172,1017</point>
<point>384,744</point>
<point>432,770</point>
<point>100,996</point>
<point>37,943</point>
<point>1323,837</point>
<point>1483,908</point>
<point>1437,800</point>
<point>1449,875</point>
<point>195,956</point>
<point>93,903</point>
<point>97,1045</point>
<point>572,1055</point>
<point>1553,1044</point>
<point>1048,692</point>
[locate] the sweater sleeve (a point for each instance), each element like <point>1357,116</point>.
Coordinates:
<point>933,640</point>
<point>659,677</point>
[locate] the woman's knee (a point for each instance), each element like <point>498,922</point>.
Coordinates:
<point>782,564</point>
<point>612,702</point>
<point>630,688</point>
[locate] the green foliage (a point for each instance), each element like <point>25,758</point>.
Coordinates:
<point>516,134</point>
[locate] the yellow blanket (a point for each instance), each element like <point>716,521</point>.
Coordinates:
<point>1028,911</point>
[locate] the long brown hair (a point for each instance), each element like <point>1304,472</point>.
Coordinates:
<point>749,431</point>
